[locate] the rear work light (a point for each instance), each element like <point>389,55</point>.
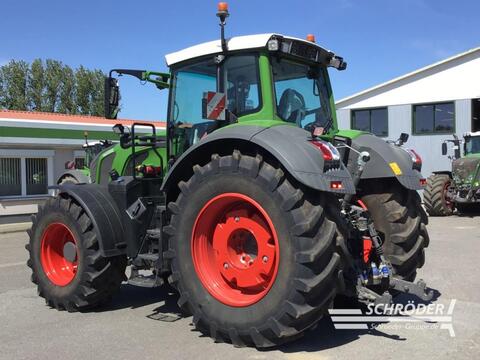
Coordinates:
<point>336,185</point>
<point>329,152</point>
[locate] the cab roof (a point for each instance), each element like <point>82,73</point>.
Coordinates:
<point>235,43</point>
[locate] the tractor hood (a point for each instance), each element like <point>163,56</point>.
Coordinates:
<point>465,169</point>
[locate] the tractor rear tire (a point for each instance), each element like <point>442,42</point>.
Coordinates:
<point>401,222</point>
<point>67,266</point>
<point>434,195</point>
<point>251,304</point>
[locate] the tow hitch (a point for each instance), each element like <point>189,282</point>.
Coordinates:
<point>375,278</point>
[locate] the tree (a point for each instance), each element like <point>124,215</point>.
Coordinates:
<point>84,85</point>
<point>67,92</point>
<point>53,81</point>
<point>51,86</point>
<point>97,95</point>
<point>36,85</point>
<point>14,85</point>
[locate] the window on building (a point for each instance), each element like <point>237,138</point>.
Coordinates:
<point>374,121</point>
<point>476,115</point>
<point>434,118</point>
<point>36,172</point>
<point>23,173</point>
<point>10,177</point>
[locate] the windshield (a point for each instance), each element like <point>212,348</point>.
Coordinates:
<point>302,94</point>
<point>472,145</point>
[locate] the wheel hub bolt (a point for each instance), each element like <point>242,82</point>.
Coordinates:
<point>225,266</point>
<point>237,219</point>
<point>265,259</point>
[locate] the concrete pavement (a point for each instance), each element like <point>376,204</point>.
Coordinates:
<point>143,323</point>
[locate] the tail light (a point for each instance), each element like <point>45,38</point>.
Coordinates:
<point>329,152</point>
<point>417,159</point>
<point>336,185</point>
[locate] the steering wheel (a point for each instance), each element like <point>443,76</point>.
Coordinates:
<point>291,106</point>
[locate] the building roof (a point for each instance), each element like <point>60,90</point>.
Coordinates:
<point>411,76</point>
<point>215,46</point>
<point>70,119</point>
<point>30,128</point>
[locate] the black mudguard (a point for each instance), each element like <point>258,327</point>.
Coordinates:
<point>288,144</point>
<point>382,154</point>
<point>77,174</point>
<point>103,212</point>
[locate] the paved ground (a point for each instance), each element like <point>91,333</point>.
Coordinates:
<point>30,330</point>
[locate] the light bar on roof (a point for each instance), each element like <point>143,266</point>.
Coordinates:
<point>307,51</point>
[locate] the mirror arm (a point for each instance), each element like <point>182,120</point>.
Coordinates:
<point>161,80</point>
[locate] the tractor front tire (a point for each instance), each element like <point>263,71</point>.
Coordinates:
<point>435,195</point>
<point>252,253</point>
<point>67,266</point>
<point>401,222</point>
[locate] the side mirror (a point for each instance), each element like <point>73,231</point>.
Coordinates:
<point>403,138</point>
<point>118,129</point>
<point>444,148</point>
<point>112,98</point>
<point>214,106</point>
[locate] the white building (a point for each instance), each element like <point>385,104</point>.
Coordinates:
<point>34,150</point>
<point>430,104</point>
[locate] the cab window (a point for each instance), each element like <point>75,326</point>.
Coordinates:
<point>242,84</point>
<point>301,93</point>
<point>189,84</point>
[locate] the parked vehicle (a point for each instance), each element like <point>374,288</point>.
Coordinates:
<point>460,188</point>
<point>261,212</point>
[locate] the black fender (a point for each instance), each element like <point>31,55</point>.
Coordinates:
<point>288,144</point>
<point>103,212</point>
<point>382,155</point>
<point>77,174</point>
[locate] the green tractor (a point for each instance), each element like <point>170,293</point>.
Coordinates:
<point>261,212</point>
<point>104,158</point>
<point>460,188</point>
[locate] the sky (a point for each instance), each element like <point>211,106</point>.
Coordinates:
<point>380,39</point>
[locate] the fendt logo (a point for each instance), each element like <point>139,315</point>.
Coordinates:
<point>395,316</point>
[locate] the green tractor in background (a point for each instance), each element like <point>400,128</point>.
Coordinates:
<point>261,211</point>
<point>104,159</point>
<point>460,188</point>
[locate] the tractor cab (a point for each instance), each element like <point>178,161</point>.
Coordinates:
<point>267,78</point>
<point>263,80</point>
<point>472,144</point>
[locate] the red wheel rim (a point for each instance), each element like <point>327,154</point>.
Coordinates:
<point>59,254</point>
<point>235,249</point>
<point>446,195</point>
